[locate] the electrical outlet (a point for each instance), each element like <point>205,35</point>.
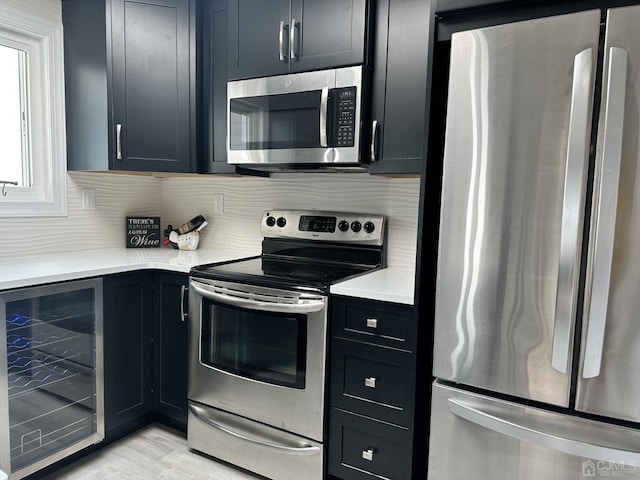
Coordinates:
<point>218,203</point>
<point>88,198</point>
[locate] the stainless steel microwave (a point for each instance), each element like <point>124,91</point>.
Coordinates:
<point>297,120</point>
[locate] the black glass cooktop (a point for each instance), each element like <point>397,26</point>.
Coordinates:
<point>281,272</point>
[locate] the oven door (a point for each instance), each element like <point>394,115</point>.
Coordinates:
<point>260,353</point>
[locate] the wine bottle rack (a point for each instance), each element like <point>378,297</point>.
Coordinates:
<point>51,373</point>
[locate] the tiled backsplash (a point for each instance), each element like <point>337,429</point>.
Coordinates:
<point>178,199</point>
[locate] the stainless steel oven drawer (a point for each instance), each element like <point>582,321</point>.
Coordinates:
<point>274,453</point>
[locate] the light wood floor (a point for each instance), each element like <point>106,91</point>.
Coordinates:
<point>154,452</point>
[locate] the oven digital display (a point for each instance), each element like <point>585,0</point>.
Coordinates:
<point>312,223</point>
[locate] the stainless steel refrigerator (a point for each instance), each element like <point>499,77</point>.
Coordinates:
<point>537,338</point>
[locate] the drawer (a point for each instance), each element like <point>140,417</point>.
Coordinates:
<point>382,323</point>
<point>363,448</point>
<point>372,381</point>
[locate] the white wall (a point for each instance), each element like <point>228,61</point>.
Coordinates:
<point>116,197</point>
<point>46,9</point>
<point>178,199</point>
<point>245,198</point>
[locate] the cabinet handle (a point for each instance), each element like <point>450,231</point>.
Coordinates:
<point>372,322</point>
<point>292,40</point>
<point>370,382</point>
<point>183,315</point>
<point>282,54</point>
<point>118,141</point>
<point>368,454</point>
<point>374,140</point>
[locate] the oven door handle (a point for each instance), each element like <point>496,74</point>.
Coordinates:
<point>306,305</point>
<point>200,414</point>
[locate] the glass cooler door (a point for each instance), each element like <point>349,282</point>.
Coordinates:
<point>51,395</point>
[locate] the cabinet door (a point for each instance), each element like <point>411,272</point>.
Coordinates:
<point>170,347</point>
<point>152,74</point>
<point>327,33</point>
<point>127,349</point>
<point>213,107</point>
<point>403,32</point>
<point>256,39</point>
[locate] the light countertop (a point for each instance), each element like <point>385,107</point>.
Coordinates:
<point>391,285</point>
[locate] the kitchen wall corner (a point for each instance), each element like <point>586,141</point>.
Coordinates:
<point>236,229</point>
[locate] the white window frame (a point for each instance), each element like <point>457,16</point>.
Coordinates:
<point>43,41</point>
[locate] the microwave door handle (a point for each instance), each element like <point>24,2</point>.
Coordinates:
<point>324,106</point>
<point>572,204</point>
<point>607,206</point>
<point>306,306</point>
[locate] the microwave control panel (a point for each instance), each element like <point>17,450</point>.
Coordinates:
<point>345,116</point>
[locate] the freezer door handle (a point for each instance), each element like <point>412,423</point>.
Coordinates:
<point>528,433</point>
<point>572,205</point>
<point>606,199</point>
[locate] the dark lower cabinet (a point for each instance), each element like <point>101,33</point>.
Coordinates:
<point>372,391</point>
<point>145,350</point>
<point>364,448</point>
<point>170,304</point>
<point>127,351</point>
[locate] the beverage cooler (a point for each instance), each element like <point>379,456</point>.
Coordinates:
<point>51,372</point>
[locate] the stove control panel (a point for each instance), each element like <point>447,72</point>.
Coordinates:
<point>324,226</point>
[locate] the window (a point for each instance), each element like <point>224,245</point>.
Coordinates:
<point>32,134</point>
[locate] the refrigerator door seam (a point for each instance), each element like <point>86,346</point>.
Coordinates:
<point>607,211</point>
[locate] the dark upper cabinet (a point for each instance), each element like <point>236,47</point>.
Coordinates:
<point>127,350</point>
<point>212,85</point>
<point>281,36</point>
<point>170,304</point>
<point>401,60</point>
<point>130,84</point>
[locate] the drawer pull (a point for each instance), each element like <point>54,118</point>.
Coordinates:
<point>372,322</point>
<point>370,382</point>
<point>368,454</point>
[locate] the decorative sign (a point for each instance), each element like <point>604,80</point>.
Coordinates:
<point>143,232</point>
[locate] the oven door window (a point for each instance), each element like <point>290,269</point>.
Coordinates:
<point>271,122</point>
<point>264,346</point>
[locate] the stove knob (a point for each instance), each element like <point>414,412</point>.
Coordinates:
<point>356,226</point>
<point>282,222</point>
<point>369,227</point>
<point>343,226</point>
<point>271,221</point>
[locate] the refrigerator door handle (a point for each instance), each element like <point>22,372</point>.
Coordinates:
<point>522,431</point>
<point>577,155</point>
<point>607,204</point>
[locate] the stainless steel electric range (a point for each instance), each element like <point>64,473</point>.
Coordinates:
<point>258,337</point>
